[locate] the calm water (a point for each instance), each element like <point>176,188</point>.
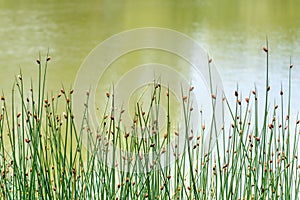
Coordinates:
<point>232,31</point>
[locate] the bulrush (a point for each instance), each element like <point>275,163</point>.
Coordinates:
<point>236,93</point>
<point>165,135</point>
<point>247,100</point>
<point>65,115</point>
<point>281,92</point>
<point>265,49</point>
<point>19,77</point>
<point>176,133</point>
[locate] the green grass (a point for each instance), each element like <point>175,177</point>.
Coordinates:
<point>43,154</point>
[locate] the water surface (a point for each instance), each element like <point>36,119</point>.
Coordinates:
<point>232,31</point>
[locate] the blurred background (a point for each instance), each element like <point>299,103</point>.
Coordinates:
<point>232,31</point>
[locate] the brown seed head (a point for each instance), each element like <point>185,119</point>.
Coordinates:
<point>247,99</point>
<point>265,49</point>
<point>271,126</point>
<point>165,135</point>
<point>236,93</point>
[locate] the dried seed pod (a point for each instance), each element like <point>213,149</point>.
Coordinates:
<point>265,49</point>
<point>247,100</point>
<point>236,93</point>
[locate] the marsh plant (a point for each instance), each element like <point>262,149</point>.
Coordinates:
<point>43,154</point>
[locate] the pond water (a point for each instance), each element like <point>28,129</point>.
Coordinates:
<point>233,32</point>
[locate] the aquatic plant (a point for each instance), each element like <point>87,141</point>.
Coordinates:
<point>43,155</point>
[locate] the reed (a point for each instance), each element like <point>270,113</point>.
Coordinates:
<point>43,155</point>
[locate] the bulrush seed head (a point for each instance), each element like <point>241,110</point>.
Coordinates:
<point>236,93</point>
<point>19,77</point>
<point>247,100</point>
<point>265,49</point>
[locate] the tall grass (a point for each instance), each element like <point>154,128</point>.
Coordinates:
<point>43,154</point>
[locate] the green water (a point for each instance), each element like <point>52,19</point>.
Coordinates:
<point>232,31</point>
